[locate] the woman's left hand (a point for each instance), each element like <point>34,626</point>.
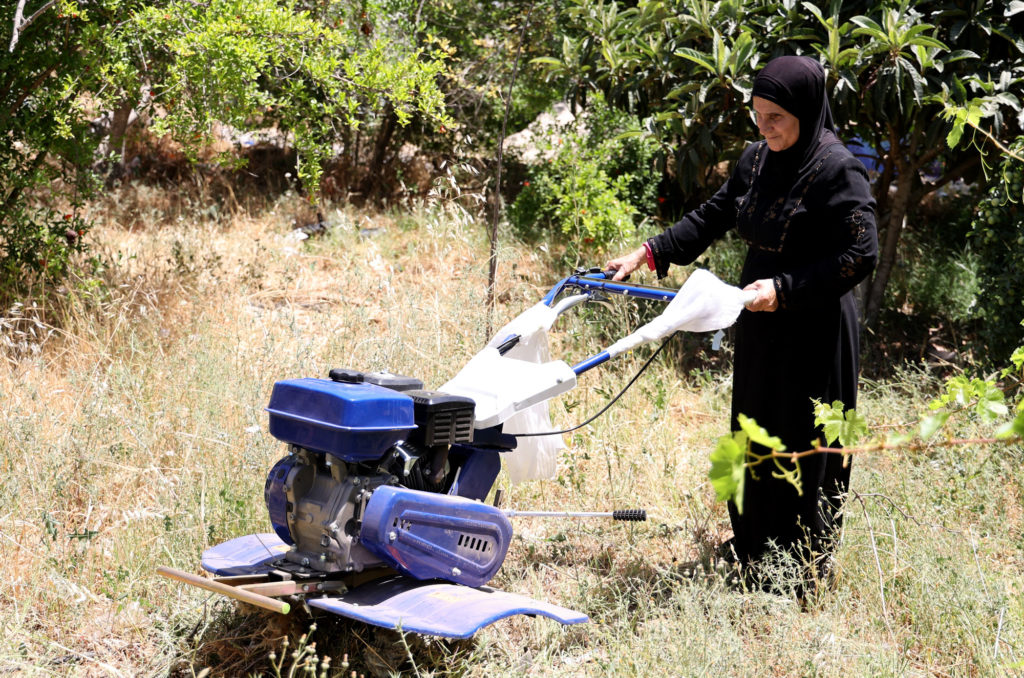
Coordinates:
<point>765,299</point>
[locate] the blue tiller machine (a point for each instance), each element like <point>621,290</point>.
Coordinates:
<point>377,510</point>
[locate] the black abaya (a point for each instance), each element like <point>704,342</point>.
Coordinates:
<point>807,216</point>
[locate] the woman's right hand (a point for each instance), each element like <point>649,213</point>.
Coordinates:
<point>627,263</point>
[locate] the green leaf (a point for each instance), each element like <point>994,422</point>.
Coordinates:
<point>867,23</point>
<point>958,87</point>
<point>955,133</point>
<point>1015,7</point>
<point>1017,358</point>
<point>696,57</point>
<point>758,435</point>
<point>930,425</point>
<point>1013,428</point>
<point>897,439</point>
<point>848,428</point>
<point>728,470</point>
<point>991,403</point>
<point>854,428</point>
<point>813,9</point>
<point>829,418</point>
<point>960,54</point>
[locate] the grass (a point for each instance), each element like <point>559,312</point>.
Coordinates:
<point>134,436</point>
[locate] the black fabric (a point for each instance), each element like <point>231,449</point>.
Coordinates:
<point>814,236</point>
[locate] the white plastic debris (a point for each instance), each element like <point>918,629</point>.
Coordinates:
<point>503,387</point>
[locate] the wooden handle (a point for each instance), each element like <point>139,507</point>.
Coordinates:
<point>256,599</point>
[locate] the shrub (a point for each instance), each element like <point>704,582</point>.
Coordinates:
<point>936,275</point>
<point>997,232</point>
<point>593,185</point>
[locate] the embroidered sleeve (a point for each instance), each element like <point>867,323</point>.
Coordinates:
<point>848,216</point>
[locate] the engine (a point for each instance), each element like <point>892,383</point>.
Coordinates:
<point>382,473</point>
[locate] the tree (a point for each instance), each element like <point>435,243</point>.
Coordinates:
<point>895,68</point>
<point>314,70</point>
<point>902,67</point>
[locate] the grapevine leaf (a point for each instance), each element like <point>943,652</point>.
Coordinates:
<point>1018,362</point>
<point>847,428</point>
<point>758,435</point>
<point>929,425</point>
<point>728,471</point>
<point>853,429</point>
<point>898,439</point>
<point>829,418</point>
<point>955,132</point>
<point>991,402</point>
<point>1013,428</point>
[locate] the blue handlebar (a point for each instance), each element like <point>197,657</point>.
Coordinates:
<point>598,281</point>
<point>581,367</point>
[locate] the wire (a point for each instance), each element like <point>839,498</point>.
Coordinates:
<point>610,403</point>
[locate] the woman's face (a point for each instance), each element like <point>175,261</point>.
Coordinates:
<point>779,127</point>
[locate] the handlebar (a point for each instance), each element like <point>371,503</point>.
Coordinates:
<point>589,281</point>
<point>597,280</point>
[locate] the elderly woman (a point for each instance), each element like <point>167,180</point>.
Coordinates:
<point>802,203</point>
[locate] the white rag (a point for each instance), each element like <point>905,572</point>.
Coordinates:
<point>704,303</point>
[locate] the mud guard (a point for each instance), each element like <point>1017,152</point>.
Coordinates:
<point>436,608</point>
<point>244,555</point>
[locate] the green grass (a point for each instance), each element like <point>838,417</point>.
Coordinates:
<point>133,436</point>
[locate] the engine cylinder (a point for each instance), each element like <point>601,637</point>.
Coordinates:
<point>315,504</point>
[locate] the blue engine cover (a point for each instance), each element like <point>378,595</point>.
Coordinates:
<point>436,536</point>
<point>354,422</point>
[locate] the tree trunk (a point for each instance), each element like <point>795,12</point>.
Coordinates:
<point>119,123</point>
<point>894,229</point>
<point>373,186</point>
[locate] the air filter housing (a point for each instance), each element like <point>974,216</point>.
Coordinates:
<point>441,418</point>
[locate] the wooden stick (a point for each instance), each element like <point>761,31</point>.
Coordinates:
<point>256,599</point>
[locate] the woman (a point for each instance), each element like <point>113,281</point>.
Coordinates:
<point>802,203</point>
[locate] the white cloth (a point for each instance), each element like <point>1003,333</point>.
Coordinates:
<point>704,303</point>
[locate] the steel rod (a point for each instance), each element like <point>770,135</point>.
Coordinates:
<point>626,514</point>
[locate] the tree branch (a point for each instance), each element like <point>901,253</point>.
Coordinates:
<point>492,265</point>
<point>878,565</point>
<point>18,12</point>
<point>20,25</point>
<point>949,175</point>
<point>28,90</point>
<point>15,193</point>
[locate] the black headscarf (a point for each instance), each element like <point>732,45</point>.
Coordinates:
<point>797,84</point>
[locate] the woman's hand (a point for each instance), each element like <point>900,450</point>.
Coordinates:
<point>765,299</point>
<point>627,263</point>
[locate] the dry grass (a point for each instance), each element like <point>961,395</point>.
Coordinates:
<point>134,436</point>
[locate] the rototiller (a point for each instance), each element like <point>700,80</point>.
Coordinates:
<point>377,510</point>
